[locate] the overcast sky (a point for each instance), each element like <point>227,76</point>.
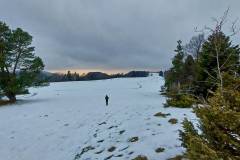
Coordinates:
<point>111,34</point>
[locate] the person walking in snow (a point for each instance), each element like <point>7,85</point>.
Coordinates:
<point>106,98</point>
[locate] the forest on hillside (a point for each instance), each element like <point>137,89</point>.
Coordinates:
<point>69,76</point>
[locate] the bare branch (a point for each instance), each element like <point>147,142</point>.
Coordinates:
<point>202,31</point>
<point>210,75</point>
<point>234,28</point>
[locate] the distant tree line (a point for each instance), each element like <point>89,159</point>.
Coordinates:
<point>58,77</point>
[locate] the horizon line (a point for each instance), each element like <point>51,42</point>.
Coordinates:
<point>85,71</point>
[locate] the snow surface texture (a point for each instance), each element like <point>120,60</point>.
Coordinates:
<point>68,121</point>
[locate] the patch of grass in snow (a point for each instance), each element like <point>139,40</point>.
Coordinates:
<point>112,127</point>
<point>173,121</point>
<point>5,102</point>
<point>119,155</point>
<point>178,157</point>
<point>160,114</point>
<point>121,132</point>
<point>84,150</point>
<point>102,123</point>
<point>123,149</point>
<point>130,153</point>
<point>95,135</point>
<point>140,157</point>
<point>133,139</point>
<point>159,150</point>
<point>66,124</point>
<point>111,149</point>
<point>109,157</point>
<point>100,141</point>
<point>99,152</point>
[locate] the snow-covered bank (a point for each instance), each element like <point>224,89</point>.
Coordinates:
<point>59,121</point>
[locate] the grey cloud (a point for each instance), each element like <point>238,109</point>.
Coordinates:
<point>111,34</point>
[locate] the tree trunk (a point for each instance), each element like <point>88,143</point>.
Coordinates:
<point>11,97</point>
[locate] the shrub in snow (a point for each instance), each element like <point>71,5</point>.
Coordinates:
<point>173,121</point>
<point>140,158</point>
<point>160,114</point>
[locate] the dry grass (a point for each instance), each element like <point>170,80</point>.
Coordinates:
<point>133,139</point>
<point>5,102</point>
<point>111,149</point>
<point>173,121</point>
<point>160,114</point>
<point>159,150</point>
<point>140,158</point>
<point>178,157</point>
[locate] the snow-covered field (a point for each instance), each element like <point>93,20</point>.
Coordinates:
<point>68,121</point>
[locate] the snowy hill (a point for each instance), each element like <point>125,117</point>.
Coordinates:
<point>69,120</point>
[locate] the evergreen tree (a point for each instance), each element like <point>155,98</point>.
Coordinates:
<point>189,71</point>
<point>174,75</point>
<point>18,63</point>
<point>218,134</point>
<point>76,76</point>
<point>179,79</point>
<point>178,60</point>
<point>219,138</point>
<point>161,73</point>
<point>5,33</point>
<point>218,48</point>
<point>69,76</point>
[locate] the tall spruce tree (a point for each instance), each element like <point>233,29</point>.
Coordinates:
<point>69,76</point>
<point>19,67</point>
<point>179,79</point>
<point>217,48</point>
<point>178,60</point>
<point>174,75</point>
